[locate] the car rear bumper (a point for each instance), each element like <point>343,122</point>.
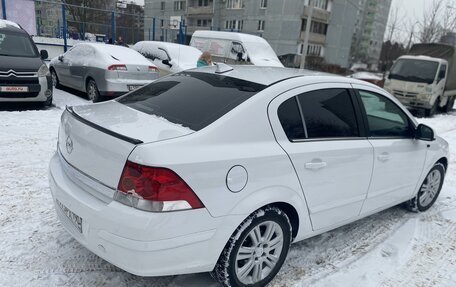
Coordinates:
<point>118,87</point>
<point>142,243</point>
<point>44,92</point>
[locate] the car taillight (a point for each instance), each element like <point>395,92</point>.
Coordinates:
<point>117,67</point>
<point>153,69</point>
<point>154,189</point>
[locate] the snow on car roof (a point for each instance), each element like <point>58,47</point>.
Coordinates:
<point>119,53</point>
<point>228,36</point>
<point>182,54</point>
<point>6,23</point>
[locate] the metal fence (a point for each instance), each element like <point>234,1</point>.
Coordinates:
<point>66,22</point>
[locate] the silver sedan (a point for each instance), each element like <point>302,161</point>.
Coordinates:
<point>102,70</point>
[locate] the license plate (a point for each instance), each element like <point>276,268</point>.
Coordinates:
<point>11,89</point>
<point>133,87</point>
<point>75,219</point>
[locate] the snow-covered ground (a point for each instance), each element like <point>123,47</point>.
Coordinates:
<point>392,248</point>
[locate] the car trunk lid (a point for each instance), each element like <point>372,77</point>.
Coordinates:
<point>97,139</point>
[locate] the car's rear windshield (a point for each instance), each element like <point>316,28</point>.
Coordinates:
<point>16,45</point>
<point>191,99</point>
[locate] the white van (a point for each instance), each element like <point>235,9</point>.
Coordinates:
<point>235,48</point>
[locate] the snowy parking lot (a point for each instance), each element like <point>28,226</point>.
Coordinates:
<point>392,248</point>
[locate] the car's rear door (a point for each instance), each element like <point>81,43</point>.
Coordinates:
<point>320,130</point>
<point>398,157</point>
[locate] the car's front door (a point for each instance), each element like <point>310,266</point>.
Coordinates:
<point>398,157</point>
<point>63,67</point>
<point>318,128</point>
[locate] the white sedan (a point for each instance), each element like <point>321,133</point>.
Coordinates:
<point>101,70</point>
<point>220,169</point>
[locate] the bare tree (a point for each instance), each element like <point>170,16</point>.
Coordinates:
<point>449,17</point>
<point>394,23</point>
<point>430,28</point>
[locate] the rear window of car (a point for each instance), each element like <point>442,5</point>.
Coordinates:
<point>191,99</point>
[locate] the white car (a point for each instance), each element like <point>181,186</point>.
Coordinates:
<point>169,57</point>
<point>220,169</point>
<point>101,70</point>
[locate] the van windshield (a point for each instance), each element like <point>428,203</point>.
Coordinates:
<point>16,45</point>
<point>411,70</point>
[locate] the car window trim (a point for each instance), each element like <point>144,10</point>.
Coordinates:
<point>364,113</point>
<point>301,114</point>
<point>329,139</point>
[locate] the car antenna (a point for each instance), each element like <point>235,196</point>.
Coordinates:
<point>223,68</point>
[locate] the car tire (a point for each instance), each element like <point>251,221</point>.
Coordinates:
<point>429,190</point>
<point>47,103</point>
<point>55,79</point>
<point>432,111</point>
<point>449,106</point>
<point>259,263</point>
<point>92,91</point>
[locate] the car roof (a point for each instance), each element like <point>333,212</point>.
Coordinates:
<point>423,57</point>
<point>270,75</point>
<point>228,36</point>
<point>10,26</point>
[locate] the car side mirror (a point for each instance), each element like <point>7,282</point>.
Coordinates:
<point>61,58</point>
<point>424,132</point>
<point>44,54</point>
<point>166,62</point>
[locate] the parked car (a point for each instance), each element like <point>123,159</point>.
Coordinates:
<point>220,169</point>
<point>168,57</point>
<point>24,77</point>
<point>236,48</point>
<point>102,70</point>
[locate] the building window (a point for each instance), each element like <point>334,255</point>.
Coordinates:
<point>203,3</point>
<point>204,22</point>
<point>162,6</point>
<point>261,25</point>
<point>315,27</point>
<point>234,24</point>
<point>234,4</point>
<point>321,4</point>
<point>264,4</point>
<point>179,5</point>
<point>162,23</point>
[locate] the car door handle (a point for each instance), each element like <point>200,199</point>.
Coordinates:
<point>315,165</point>
<point>383,157</point>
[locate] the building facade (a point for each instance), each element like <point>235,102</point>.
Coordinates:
<point>371,21</point>
<point>281,22</point>
<point>341,31</point>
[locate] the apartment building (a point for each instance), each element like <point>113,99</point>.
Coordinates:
<point>370,26</point>
<point>281,22</point>
<point>341,31</point>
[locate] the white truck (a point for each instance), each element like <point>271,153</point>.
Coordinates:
<point>425,78</point>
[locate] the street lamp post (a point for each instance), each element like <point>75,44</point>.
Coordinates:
<point>305,45</point>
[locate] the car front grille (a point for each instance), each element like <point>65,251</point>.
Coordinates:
<point>399,93</point>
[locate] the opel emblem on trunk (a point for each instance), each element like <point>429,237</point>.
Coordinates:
<point>69,145</point>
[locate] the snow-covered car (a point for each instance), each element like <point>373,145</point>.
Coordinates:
<point>236,48</point>
<point>220,169</point>
<point>24,77</point>
<point>102,70</point>
<point>169,57</point>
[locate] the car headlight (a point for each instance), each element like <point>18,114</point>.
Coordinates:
<point>428,89</point>
<point>43,71</point>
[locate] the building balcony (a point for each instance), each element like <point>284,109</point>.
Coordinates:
<point>318,14</point>
<point>314,38</point>
<point>200,10</point>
